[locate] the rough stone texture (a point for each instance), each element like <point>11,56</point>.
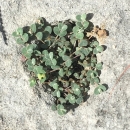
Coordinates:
<point>22,108</point>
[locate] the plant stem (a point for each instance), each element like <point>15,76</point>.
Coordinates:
<point>54,41</point>
<point>53,70</point>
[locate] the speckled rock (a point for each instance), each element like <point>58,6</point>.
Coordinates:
<point>23,108</point>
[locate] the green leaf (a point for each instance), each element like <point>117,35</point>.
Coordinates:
<point>27,51</point>
<point>68,62</point>
<point>71,98</point>
<point>79,100</point>
<point>33,61</point>
<point>102,87</point>
<point>15,34</point>
<point>62,34</point>
<point>99,89</point>
<point>64,28</point>
<point>94,44</point>
<point>65,57</point>
<point>76,89</point>
<point>30,68</point>
<point>83,17</point>
<point>37,53</point>
<point>73,40</point>
<point>25,37</point>
<point>96,80</point>
<point>38,70</point>
<point>83,43</point>
<point>45,35</point>
<point>79,24</point>
<point>78,17</point>
<point>61,110</point>
<point>58,93</point>
<point>99,66</point>
<point>99,48</point>
<point>79,52</point>
<point>85,24</point>
<point>48,29</point>
<point>93,60</point>
<point>33,28</point>
<point>56,30</point>
<point>61,72</point>
<point>61,89</point>
<point>62,100</point>
<point>29,62</point>
<point>20,41</point>
<point>56,67</point>
<point>75,29</point>
<point>54,85</point>
<point>39,35</point>
<point>76,75</point>
<point>79,35</point>
<point>32,82</point>
<point>95,51</point>
<point>86,51</point>
<point>89,73</point>
<point>53,107</point>
<point>48,58</point>
<point>60,25</point>
<point>20,31</point>
<point>51,58</point>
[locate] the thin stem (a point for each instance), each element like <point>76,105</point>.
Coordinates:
<point>54,41</point>
<point>42,41</point>
<point>53,70</point>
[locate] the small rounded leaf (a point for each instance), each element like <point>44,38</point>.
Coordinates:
<point>86,24</point>
<point>62,34</point>
<point>33,28</point>
<point>61,72</point>
<point>61,110</point>
<point>64,27</point>
<point>99,89</point>
<point>20,31</point>
<point>53,107</point>
<point>58,93</point>
<point>25,37</point>
<point>20,41</point>
<point>99,66</point>
<point>15,34</point>
<point>39,35</point>
<point>78,17</point>
<point>32,82</point>
<point>99,48</point>
<point>79,35</point>
<point>79,100</point>
<point>56,30</point>
<point>33,61</point>
<point>83,43</point>
<point>83,17</point>
<point>48,29</point>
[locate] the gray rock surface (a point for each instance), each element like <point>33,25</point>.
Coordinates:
<point>23,108</point>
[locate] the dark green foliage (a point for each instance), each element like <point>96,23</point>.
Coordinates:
<point>62,57</point>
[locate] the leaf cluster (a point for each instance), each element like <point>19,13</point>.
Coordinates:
<point>62,57</point>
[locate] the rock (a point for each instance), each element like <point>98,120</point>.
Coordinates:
<point>20,106</point>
